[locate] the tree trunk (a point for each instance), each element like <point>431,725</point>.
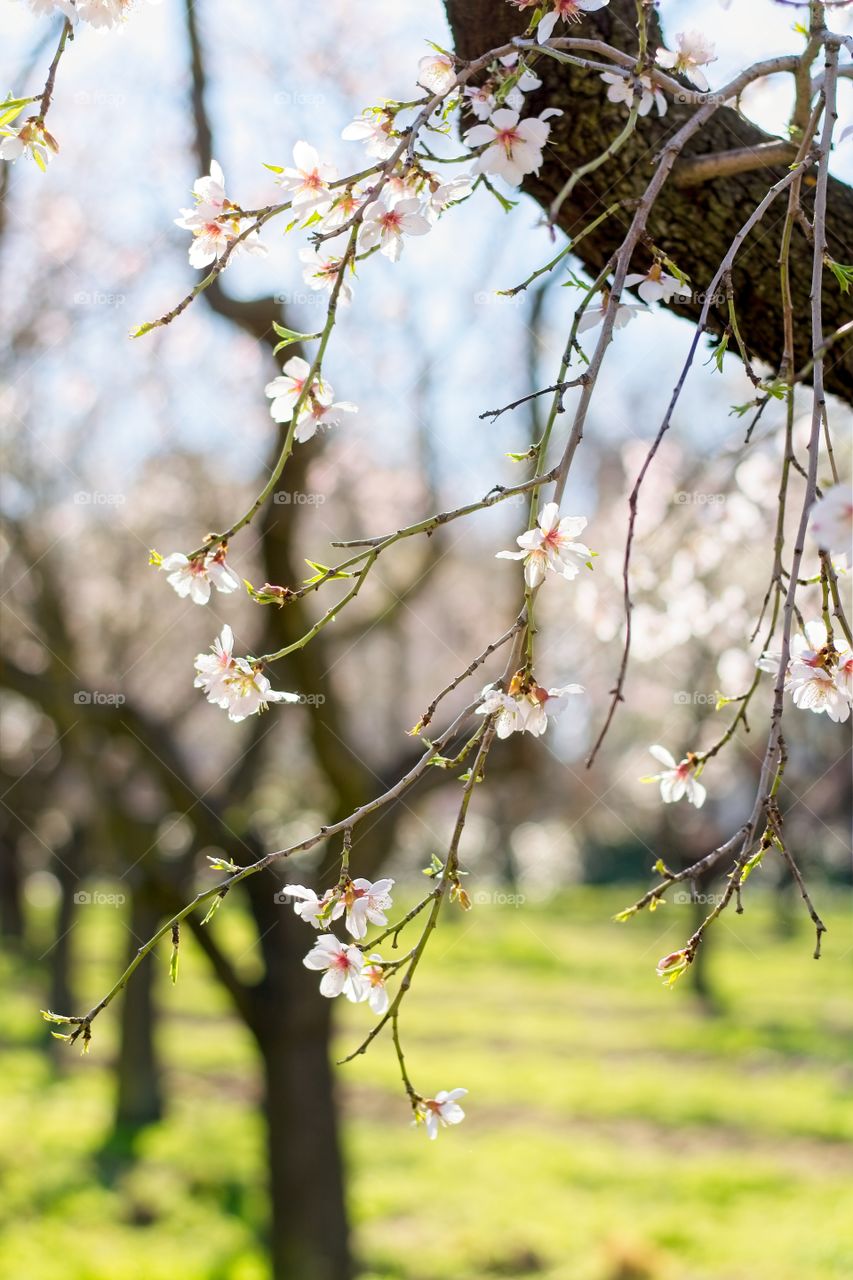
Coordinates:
<point>694,225</point>
<point>291,1022</point>
<point>309,1229</point>
<point>11,897</point>
<point>139,1097</point>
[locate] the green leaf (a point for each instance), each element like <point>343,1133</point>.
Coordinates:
<point>843,274</point>
<point>213,908</point>
<point>289,336</point>
<point>143,329</point>
<point>12,107</point>
<point>324,571</point>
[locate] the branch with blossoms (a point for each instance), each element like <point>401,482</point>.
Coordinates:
<point>402,192</point>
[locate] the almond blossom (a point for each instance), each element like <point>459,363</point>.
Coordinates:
<point>385,226</point>
<point>235,684</point>
<point>31,139</point>
<point>831,520</point>
<point>342,966</point>
<point>625,313</point>
<point>322,273</point>
<point>307,905</point>
<point>550,545</point>
<point>374,130</point>
<point>525,708</point>
<point>442,1110</point>
<point>437,72</point>
<point>819,675</point>
<point>677,780</point>
<point>375,991</point>
<point>366,903</point>
<point>657,285</point>
<point>513,147</point>
<point>569,11</point>
<point>693,51</point>
<point>345,206</point>
<point>213,222</point>
<point>50,7</point>
<point>318,407</point>
<point>621,89</point>
<point>193,577</point>
<point>671,967</point>
<point>307,182</point>
<point>103,13</point>
<point>447,193</point>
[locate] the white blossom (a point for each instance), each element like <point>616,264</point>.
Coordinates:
<point>318,407</point>
<point>342,966</point>
<point>321,272</point>
<point>625,313</point>
<point>366,903</point>
<point>513,147</point>
<point>677,780</point>
<point>550,545</point>
<point>621,89</point>
<point>656,285</point>
<point>307,905</point>
<point>442,1110</point>
<point>307,181</point>
<point>235,684</point>
<point>385,226</point>
<point>213,223</point>
<point>692,52</point>
<point>375,991</point>
<point>103,13</point>
<point>437,72</point>
<point>194,577</point>
<point>569,11</point>
<point>374,130</point>
<point>819,675</point>
<point>525,708</point>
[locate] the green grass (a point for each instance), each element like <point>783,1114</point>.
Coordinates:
<point>615,1131</point>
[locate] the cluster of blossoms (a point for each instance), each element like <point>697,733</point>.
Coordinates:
<point>819,675</point>
<point>316,400</point>
<point>238,685</point>
<point>678,779</point>
<point>97,13</point>
<point>360,978</point>
<point>526,706</point>
<point>215,222</point>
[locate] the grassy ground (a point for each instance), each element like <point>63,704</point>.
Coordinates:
<point>615,1131</point>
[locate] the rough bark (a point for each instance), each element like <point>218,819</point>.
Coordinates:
<point>693,225</point>
<point>139,1097</point>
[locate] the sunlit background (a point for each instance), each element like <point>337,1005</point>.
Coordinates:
<point>615,1130</point>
